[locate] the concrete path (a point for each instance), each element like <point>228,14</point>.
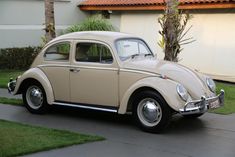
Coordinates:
<point>4,93</point>
<point>210,136</point>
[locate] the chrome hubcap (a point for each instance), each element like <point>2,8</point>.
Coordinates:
<point>34,97</point>
<point>149,112</point>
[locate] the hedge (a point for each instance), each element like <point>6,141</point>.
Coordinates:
<point>18,58</point>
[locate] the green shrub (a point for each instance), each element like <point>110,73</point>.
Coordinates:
<point>93,23</point>
<point>18,58</point>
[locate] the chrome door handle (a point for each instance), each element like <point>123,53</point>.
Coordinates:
<point>74,70</point>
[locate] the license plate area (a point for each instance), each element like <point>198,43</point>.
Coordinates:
<point>215,104</point>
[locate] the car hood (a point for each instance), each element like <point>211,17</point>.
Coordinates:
<point>190,79</point>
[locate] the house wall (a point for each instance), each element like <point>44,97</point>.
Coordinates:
<point>21,21</point>
<point>115,19</point>
<point>212,53</point>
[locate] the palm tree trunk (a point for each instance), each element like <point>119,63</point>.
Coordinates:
<point>170,32</point>
<point>49,20</point>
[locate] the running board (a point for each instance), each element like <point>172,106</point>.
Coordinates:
<point>86,107</point>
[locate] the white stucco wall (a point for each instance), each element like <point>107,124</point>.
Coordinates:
<point>21,21</point>
<point>212,53</point>
<point>144,25</point>
<point>115,19</point>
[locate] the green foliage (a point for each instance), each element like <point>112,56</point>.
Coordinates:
<point>63,48</point>
<point>19,139</point>
<point>43,41</point>
<point>161,43</point>
<point>5,75</point>
<point>11,101</point>
<point>18,58</point>
<point>93,23</point>
<point>229,101</point>
<point>173,23</point>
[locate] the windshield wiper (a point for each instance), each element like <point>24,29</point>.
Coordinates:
<point>134,55</point>
<point>149,54</point>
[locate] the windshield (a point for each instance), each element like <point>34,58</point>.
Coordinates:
<point>130,48</point>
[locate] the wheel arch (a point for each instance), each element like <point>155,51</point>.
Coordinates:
<point>137,91</point>
<point>35,74</point>
<point>164,87</point>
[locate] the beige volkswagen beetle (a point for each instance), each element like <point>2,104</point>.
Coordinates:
<point>114,72</point>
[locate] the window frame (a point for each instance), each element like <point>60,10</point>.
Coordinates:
<point>116,46</point>
<point>58,43</point>
<point>93,42</point>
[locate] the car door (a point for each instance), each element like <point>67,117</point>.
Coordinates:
<point>93,75</point>
<point>56,64</point>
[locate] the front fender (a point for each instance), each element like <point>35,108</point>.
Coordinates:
<point>166,87</point>
<point>37,74</point>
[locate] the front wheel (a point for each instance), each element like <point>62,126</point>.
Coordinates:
<point>151,112</point>
<point>34,98</point>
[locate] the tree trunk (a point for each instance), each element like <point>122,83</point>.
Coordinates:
<point>49,20</point>
<point>170,36</point>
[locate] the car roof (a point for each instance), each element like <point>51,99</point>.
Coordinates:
<point>106,36</point>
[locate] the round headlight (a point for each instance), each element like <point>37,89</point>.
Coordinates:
<point>183,93</point>
<point>211,84</point>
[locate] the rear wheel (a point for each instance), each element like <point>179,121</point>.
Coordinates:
<point>34,98</point>
<point>151,112</point>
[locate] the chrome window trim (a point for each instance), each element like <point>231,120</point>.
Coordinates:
<point>138,71</point>
<point>78,66</point>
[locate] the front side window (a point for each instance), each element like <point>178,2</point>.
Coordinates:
<point>93,52</point>
<point>128,48</point>
<point>58,52</point>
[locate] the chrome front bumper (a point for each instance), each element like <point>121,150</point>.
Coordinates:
<point>202,105</point>
<point>11,85</point>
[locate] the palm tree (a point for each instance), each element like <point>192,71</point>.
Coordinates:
<point>170,33</point>
<point>49,20</point>
<point>173,24</point>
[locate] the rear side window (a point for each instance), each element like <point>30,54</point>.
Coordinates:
<point>93,52</point>
<point>58,52</point>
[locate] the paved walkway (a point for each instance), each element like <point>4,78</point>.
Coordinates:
<point>4,93</point>
<point>210,136</point>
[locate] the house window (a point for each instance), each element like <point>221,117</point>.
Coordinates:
<point>93,52</point>
<point>106,14</point>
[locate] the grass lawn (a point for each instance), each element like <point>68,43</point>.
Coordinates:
<point>229,106</point>
<point>11,101</point>
<point>5,75</point>
<point>19,139</point>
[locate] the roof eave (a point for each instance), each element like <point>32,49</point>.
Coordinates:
<point>156,7</point>
<point>121,7</point>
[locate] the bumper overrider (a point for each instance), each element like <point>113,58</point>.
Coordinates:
<point>11,85</point>
<point>202,105</point>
